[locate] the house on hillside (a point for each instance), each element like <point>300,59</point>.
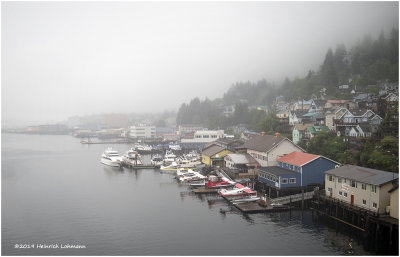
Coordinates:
<point>266,149</point>
<point>296,117</point>
<point>357,123</point>
<point>298,133</point>
<point>294,171</point>
<point>312,131</point>
<point>363,187</point>
<point>333,114</point>
<point>340,103</point>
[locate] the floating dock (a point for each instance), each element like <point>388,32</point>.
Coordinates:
<point>205,191</point>
<point>254,207</point>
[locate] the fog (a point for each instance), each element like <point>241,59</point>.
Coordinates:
<point>61,59</point>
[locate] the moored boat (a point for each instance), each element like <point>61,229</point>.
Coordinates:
<point>111,157</point>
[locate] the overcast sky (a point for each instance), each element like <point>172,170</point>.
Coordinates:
<point>61,59</point>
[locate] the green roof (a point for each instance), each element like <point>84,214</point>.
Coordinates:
<point>317,129</point>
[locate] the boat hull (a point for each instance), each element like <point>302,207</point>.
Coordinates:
<point>110,163</point>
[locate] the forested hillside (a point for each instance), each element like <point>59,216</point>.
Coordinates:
<point>367,63</point>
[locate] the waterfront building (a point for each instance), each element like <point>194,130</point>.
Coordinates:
<point>394,201</point>
<point>266,149</point>
<point>296,169</point>
<point>142,131</point>
<point>213,155</point>
<point>363,187</point>
<point>240,162</point>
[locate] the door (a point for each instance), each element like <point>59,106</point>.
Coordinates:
<point>352,199</point>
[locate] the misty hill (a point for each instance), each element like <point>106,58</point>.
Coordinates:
<point>367,63</point>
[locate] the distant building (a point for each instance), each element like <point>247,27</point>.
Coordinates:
<point>188,128</point>
<point>142,131</point>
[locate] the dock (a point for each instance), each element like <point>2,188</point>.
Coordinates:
<point>254,207</point>
<point>205,191</point>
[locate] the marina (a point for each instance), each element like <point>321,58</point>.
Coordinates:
<point>112,197</point>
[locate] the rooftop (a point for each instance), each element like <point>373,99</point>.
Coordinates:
<point>278,171</point>
<point>365,175</point>
<point>298,158</point>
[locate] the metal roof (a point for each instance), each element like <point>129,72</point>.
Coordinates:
<point>364,175</point>
<point>276,170</point>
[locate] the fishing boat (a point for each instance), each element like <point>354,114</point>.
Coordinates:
<point>111,157</point>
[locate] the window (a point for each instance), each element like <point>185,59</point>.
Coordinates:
<point>353,183</point>
<point>374,205</point>
<point>284,181</point>
<point>292,180</point>
<point>364,186</point>
<point>329,189</point>
<point>345,194</point>
<point>331,178</point>
<point>340,193</point>
<point>339,180</point>
<point>373,188</point>
<point>364,202</point>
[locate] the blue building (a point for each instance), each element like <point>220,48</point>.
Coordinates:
<point>294,171</point>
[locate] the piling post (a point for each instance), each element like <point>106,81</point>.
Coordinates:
<point>302,199</point>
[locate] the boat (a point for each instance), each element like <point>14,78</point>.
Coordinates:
<point>189,175</point>
<point>143,149</point>
<point>157,160</point>
<point>111,157</point>
<point>175,147</point>
<point>169,158</point>
<point>171,166</point>
<point>131,158</point>
<point>188,163</point>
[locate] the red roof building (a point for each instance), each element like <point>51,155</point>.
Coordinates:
<point>298,158</point>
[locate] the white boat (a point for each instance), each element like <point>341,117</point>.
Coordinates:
<point>188,163</point>
<point>132,158</point>
<point>169,158</point>
<point>157,160</point>
<point>171,166</point>
<point>111,157</point>
<point>175,147</point>
<point>143,148</point>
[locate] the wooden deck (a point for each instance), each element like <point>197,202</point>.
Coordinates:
<point>254,207</point>
<point>205,191</point>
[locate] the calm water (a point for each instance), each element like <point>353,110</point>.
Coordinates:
<point>56,191</point>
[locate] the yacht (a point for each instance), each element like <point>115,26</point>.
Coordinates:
<point>132,158</point>
<point>111,157</point>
